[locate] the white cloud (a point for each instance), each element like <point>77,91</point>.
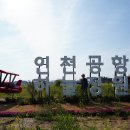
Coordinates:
<point>33,23</point>
<point>37,23</point>
<point>39,31</point>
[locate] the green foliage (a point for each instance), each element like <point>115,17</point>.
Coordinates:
<point>22,101</point>
<point>49,112</point>
<point>38,128</point>
<point>35,97</point>
<point>57,83</point>
<point>56,92</point>
<point>23,94</point>
<point>65,122</point>
<point>45,115</point>
<point>107,90</point>
<point>71,99</point>
<point>30,96</point>
<point>31,89</point>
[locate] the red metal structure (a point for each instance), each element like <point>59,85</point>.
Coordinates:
<point>9,86</point>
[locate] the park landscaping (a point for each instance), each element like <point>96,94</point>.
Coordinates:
<point>31,110</point>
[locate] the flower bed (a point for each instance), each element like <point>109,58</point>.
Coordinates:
<point>31,111</point>
<point>101,112</point>
<point>21,114</point>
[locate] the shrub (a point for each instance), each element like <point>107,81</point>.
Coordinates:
<point>56,92</point>
<point>31,90</point>
<point>65,122</point>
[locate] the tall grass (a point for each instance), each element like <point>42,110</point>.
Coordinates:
<point>56,93</point>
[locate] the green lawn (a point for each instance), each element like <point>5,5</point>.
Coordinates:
<point>23,94</point>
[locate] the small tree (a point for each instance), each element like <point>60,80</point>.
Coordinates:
<point>57,82</point>
<point>31,89</point>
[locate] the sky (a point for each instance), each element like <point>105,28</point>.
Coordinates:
<point>58,28</point>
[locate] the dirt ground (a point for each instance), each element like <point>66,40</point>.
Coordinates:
<point>109,123</point>
<point>24,122</point>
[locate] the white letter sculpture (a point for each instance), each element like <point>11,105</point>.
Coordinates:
<point>120,81</point>
<point>42,83</point>
<point>95,63</point>
<point>68,89</point>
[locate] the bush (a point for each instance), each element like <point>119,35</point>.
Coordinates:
<point>46,115</point>
<point>22,101</point>
<point>56,92</point>
<point>31,89</point>
<point>65,122</point>
<point>71,99</point>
